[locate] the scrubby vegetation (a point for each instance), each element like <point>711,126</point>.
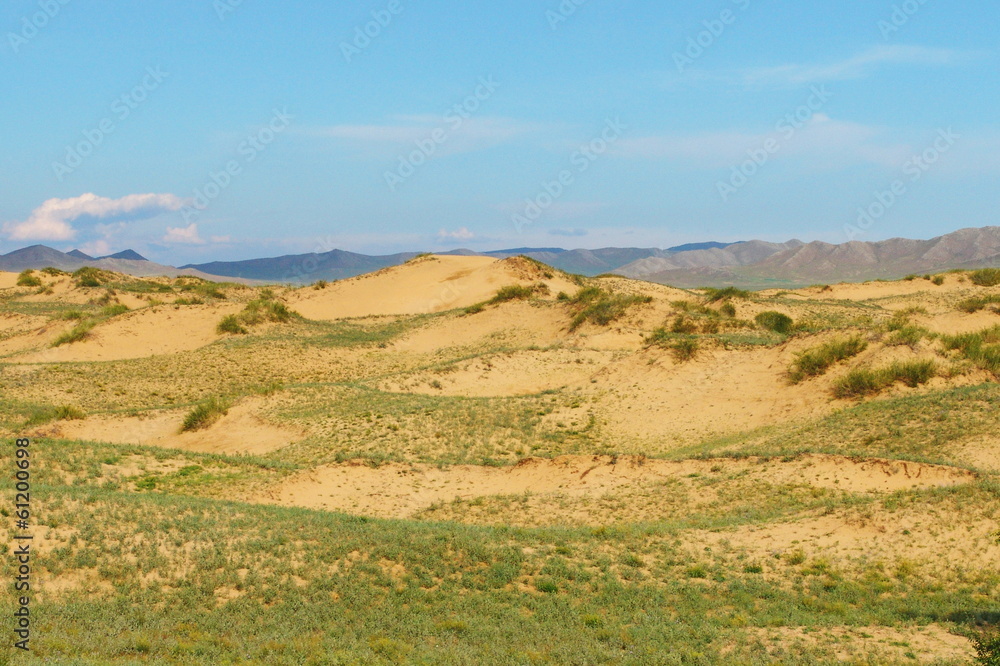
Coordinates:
<point>79,332</point>
<point>263,309</point>
<point>88,277</point>
<point>986,277</point>
<point>518,292</point>
<point>205,414</point>
<point>977,303</point>
<point>778,322</point>
<point>869,381</point>
<point>28,279</point>
<point>815,362</point>
<point>599,307</point>
<point>713,295</point>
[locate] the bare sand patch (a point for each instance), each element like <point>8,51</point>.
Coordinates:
<point>142,333</point>
<point>7,280</point>
<point>239,431</point>
<point>400,491</point>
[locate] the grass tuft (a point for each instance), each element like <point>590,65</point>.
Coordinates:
<point>870,381</point>
<point>205,414</point>
<point>28,279</point>
<point>986,277</point>
<point>775,321</point>
<point>713,295</point>
<point>79,332</point>
<point>815,362</point>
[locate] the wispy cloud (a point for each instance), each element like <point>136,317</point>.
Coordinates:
<point>855,67</point>
<point>826,143</point>
<point>53,219</point>
<point>458,234</point>
<point>451,134</point>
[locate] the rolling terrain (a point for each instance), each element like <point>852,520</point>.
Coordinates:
<point>471,460</point>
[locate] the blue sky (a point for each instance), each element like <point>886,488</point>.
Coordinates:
<point>194,130</point>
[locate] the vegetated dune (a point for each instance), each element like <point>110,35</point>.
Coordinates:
<point>241,430</point>
<point>399,491</point>
<point>151,331</point>
<point>424,285</point>
<point>516,323</point>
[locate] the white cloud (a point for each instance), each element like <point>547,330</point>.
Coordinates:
<point>183,235</point>
<point>97,248</point>
<point>52,220</point>
<point>458,234</point>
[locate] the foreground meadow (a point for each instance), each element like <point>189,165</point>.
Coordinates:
<point>470,461</point>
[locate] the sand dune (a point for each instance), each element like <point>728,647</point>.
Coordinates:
<point>425,285</point>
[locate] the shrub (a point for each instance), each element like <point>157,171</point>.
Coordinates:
<point>205,414</point>
<point>907,335</point>
<point>685,349</point>
<point>713,295</point>
<point>475,308</point>
<point>114,310</point>
<point>981,348</point>
<point>978,303</point>
<point>683,326</point>
<point>728,309</point>
<point>601,308</point>
<point>517,292</point>
<point>986,277</point>
<point>28,279</point>
<point>987,648</point>
<point>320,284</point>
<point>69,413</point>
<point>189,301</point>
<point>79,332</point>
<point>53,272</point>
<point>867,381</point>
<point>938,280</point>
<point>231,324</point>
<point>73,314</point>
<point>775,321</point>
<point>88,276</point>
<point>816,361</point>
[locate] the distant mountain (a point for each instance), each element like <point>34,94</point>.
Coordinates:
<point>127,254</point>
<point>42,256</point>
<point>750,264</point>
<point>818,263</point>
<point>333,265</point>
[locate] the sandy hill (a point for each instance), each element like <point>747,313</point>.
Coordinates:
<point>469,443</point>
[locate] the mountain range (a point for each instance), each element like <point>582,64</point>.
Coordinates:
<point>750,264</point>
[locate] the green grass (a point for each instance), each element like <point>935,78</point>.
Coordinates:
<point>205,414</point>
<point>517,292</point>
<point>685,349</point>
<point>816,361</point>
<point>982,348</point>
<point>600,307</point>
<point>114,310</point>
<point>909,336</point>
<point>986,277</point>
<point>862,382</point>
<point>79,332</point>
<point>88,277</point>
<point>713,295</point>
<point>265,308</point>
<point>977,303</point>
<point>28,279</point>
<point>778,322</point>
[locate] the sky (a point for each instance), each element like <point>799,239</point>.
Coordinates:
<point>200,130</point>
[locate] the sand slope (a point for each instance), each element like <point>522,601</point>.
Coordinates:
<point>424,285</point>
